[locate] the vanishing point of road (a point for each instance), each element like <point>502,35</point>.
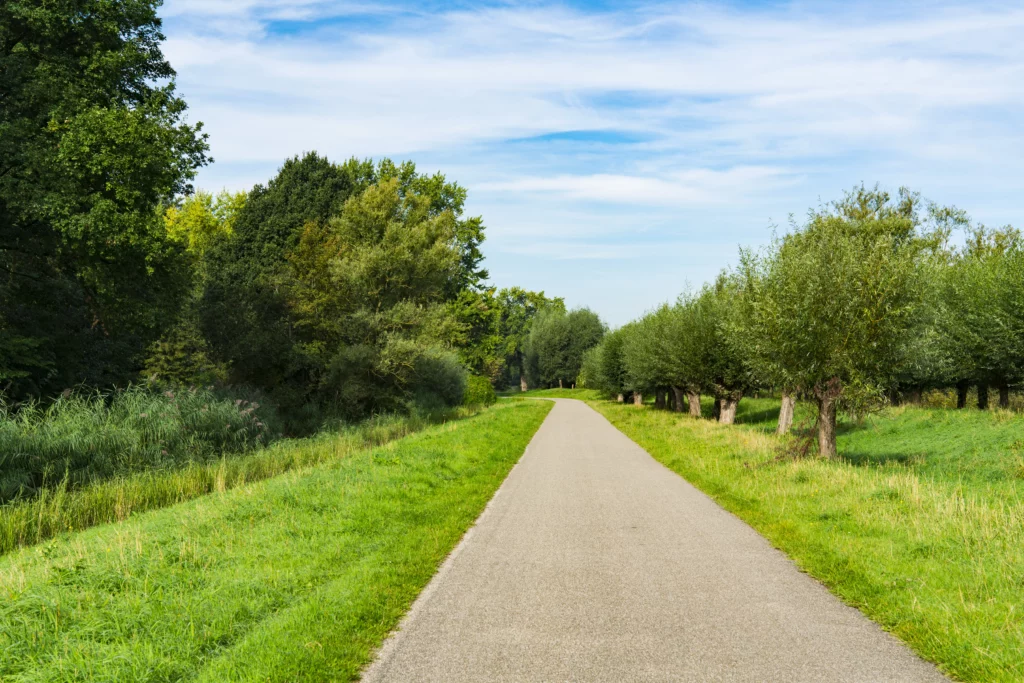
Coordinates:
<point>595,563</point>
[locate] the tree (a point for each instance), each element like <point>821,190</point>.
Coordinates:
<point>842,294</point>
<point>92,139</point>
<point>980,318</point>
<point>201,219</point>
<point>643,357</point>
<point>518,308</point>
<point>367,295</point>
<point>604,365</point>
<point>557,344</point>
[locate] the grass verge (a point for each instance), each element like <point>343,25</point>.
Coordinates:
<point>297,578</point>
<point>922,528</point>
<point>581,394</point>
<point>63,509</point>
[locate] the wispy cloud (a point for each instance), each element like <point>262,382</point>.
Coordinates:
<point>733,115</point>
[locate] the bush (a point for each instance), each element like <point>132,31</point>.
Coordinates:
<point>479,392</point>
<point>440,381</point>
<point>84,437</point>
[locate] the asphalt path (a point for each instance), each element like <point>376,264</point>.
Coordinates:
<point>594,562</point>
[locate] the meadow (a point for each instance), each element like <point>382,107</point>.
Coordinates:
<point>296,578</point>
<point>919,523</point>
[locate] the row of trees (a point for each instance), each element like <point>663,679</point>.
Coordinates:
<point>346,288</point>
<point>868,301</point>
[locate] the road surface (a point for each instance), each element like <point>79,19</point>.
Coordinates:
<point>595,563</point>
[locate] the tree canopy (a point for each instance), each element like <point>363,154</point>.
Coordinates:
<point>92,139</point>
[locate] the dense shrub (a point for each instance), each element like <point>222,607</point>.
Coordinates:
<point>82,437</point>
<point>479,392</point>
<point>440,381</point>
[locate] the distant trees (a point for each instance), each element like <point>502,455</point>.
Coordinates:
<point>558,341</point>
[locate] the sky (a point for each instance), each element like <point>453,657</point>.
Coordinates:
<point>619,153</point>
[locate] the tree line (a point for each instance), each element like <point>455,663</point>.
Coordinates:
<point>874,298</point>
<point>342,289</point>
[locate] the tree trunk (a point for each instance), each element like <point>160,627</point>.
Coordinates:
<point>827,395</point>
<point>716,409</point>
<point>983,397</point>
<point>659,399</point>
<point>786,412</point>
<point>915,396</point>
<point>620,398</point>
<point>522,383</point>
<point>574,386</point>
<point>693,399</point>
<point>677,405</point>
<point>638,398</point>
<point>560,384</point>
<point>727,412</point>
<point>961,394</point>
<point>1004,396</point>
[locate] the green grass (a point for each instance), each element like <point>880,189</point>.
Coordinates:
<point>62,509</point>
<point>920,524</point>
<point>582,394</point>
<point>296,578</point>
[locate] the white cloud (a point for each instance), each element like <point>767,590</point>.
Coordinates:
<point>737,111</point>
<point>690,187</point>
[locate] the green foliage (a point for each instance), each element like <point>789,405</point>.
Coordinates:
<point>557,343</point>
<point>85,437</point>
<point>343,284</point>
<point>182,358</point>
<point>479,392</point>
<point>201,219</point>
<point>830,309</point>
<point>980,316</point>
<point>92,139</point>
<point>518,309</point>
<point>604,366</point>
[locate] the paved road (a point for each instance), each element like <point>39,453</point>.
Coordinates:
<point>595,563</point>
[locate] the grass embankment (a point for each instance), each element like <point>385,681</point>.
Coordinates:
<point>581,394</point>
<point>298,578</point>
<point>920,524</point>
<point>66,509</point>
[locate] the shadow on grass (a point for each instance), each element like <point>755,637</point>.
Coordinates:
<point>760,416</point>
<point>864,459</point>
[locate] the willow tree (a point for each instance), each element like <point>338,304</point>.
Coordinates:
<point>643,356</point>
<point>844,293</point>
<point>981,313</point>
<point>758,328</point>
<point>690,345</point>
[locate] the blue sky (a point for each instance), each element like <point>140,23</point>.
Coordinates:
<point>619,153</point>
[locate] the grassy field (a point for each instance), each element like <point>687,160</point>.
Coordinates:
<point>920,524</point>
<point>296,578</point>
<point>62,509</point>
